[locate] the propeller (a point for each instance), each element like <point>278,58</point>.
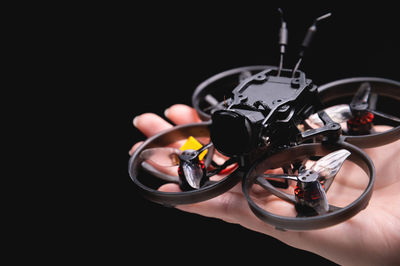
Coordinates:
<point>310,191</point>
<point>358,115</point>
<point>312,183</point>
<point>191,171</point>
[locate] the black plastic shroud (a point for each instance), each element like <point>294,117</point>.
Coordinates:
<point>265,109</point>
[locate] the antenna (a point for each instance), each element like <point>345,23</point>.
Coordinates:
<point>307,40</point>
<point>283,40</point>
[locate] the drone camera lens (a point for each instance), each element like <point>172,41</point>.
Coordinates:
<point>231,132</point>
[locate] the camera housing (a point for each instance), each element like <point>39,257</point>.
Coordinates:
<point>265,110</point>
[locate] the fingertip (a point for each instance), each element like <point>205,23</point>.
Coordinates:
<point>135,121</point>
<point>134,147</point>
<point>179,109</point>
<point>142,118</point>
<point>150,124</point>
<point>174,110</point>
<point>182,114</point>
<point>166,112</point>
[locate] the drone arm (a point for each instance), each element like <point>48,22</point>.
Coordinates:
<point>208,158</point>
<point>282,176</point>
<point>331,129</point>
<point>280,194</point>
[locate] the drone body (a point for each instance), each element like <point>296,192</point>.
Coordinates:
<point>273,128</point>
<point>265,109</point>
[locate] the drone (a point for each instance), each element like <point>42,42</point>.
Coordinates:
<point>279,134</point>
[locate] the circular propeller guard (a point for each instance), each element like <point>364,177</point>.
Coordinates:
<point>137,165</point>
<point>380,93</point>
<point>291,156</point>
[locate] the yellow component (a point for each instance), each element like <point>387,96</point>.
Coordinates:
<point>193,144</point>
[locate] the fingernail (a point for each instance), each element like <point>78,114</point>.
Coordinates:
<point>135,121</point>
<point>166,112</point>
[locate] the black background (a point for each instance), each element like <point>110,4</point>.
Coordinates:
<point>155,56</point>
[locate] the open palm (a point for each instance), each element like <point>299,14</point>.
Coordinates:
<point>370,237</point>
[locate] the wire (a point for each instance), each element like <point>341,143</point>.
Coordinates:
<point>297,66</point>
<point>280,65</point>
<point>307,40</point>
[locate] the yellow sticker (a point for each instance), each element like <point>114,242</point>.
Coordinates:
<point>192,144</point>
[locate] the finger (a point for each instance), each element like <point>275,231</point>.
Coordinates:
<point>132,150</point>
<point>150,124</point>
<point>182,114</point>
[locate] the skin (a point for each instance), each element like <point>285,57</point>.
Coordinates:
<point>372,237</point>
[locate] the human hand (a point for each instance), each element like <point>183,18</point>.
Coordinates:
<point>370,237</point>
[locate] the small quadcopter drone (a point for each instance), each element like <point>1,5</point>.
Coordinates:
<point>281,135</point>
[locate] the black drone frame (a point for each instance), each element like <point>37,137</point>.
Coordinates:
<point>262,107</point>
<point>328,92</point>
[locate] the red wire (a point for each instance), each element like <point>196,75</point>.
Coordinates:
<point>229,169</point>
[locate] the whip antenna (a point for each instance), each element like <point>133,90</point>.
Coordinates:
<point>307,40</point>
